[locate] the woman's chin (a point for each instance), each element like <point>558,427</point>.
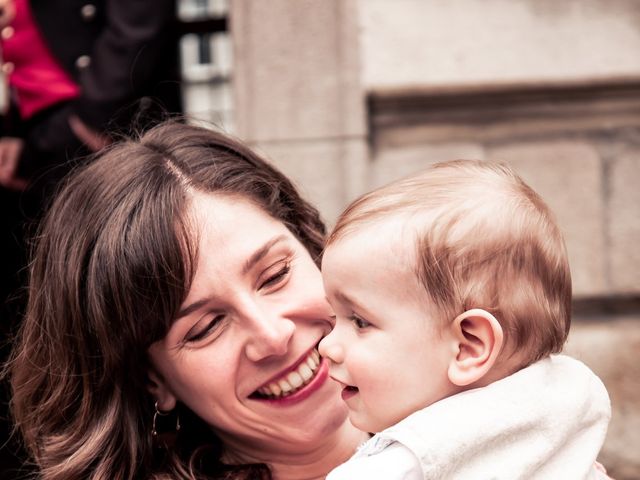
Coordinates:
<point>309,415</point>
<point>323,420</point>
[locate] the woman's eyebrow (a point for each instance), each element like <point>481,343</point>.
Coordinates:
<point>190,308</point>
<point>261,253</point>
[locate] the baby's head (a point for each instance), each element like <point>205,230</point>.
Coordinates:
<point>441,282</point>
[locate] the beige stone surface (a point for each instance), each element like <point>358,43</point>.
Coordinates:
<point>624,222</point>
<point>297,70</point>
<point>417,42</point>
<point>328,173</point>
<point>390,164</point>
<point>611,348</point>
<point>298,94</point>
<point>560,111</point>
<point>568,175</point>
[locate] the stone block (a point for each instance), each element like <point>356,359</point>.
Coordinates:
<point>297,70</point>
<point>610,346</point>
<point>624,223</point>
<point>328,173</point>
<point>391,164</point>
<point>416,42</point>
<point>568,175</point>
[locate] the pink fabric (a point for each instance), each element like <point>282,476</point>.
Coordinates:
<point>37,79</point>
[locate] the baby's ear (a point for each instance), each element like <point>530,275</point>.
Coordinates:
<point>478,339</point>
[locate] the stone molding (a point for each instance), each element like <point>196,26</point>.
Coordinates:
<point>405,116</point>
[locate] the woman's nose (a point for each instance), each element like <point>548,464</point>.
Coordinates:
<point>269,337</point>
<point>331,348</point>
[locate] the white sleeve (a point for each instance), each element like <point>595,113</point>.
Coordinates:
<point>396,462</point>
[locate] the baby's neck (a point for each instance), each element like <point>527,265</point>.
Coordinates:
<point>504,366</point>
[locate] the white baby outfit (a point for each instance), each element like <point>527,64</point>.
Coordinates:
<point>546,421</point>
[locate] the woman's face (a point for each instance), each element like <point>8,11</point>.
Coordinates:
<point>242,353</point>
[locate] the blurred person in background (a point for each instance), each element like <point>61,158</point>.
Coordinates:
<point>75,70</point>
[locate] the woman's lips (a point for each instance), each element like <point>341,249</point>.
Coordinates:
<point>294,379</point>
<point>300,394</point>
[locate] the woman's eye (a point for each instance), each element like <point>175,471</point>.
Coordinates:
<point>203,329</point>
<point>359,322</point>
<point>281,273</point>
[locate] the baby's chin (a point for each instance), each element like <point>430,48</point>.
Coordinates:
<point>368,424</point>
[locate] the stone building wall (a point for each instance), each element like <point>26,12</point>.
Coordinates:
<point>471,42</point>
<point>345,95</point>
<point>298,95</point>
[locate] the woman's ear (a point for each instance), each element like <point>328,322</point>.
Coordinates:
<point>158,388</point>
<point>478,340</point>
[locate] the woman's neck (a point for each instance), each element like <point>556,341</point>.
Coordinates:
<point>313,464</point>
<point>317,464</point>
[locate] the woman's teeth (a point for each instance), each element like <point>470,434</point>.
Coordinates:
<point>294,380</point>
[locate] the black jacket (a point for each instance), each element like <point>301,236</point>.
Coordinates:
<point>124,56</point>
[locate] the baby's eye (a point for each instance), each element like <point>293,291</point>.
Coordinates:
<point>360,323</point>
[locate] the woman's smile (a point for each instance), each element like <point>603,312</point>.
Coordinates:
<point>292,379</point>
<point>319,378</point>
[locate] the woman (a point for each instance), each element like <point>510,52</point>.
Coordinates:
<point>175,288</point>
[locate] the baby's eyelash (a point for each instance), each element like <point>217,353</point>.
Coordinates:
<point>360,323</point>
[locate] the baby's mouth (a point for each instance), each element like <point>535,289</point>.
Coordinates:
<point>292,381</point>
<point>348,392</point>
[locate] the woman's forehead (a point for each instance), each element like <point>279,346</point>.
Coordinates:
<point>229,214</point>
<point>232,229</point>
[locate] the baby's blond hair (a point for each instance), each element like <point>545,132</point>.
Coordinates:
<point>483,239</point>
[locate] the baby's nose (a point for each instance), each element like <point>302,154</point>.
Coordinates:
<point>331,348</point>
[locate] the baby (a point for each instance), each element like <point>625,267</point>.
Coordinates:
<point>452,293</point>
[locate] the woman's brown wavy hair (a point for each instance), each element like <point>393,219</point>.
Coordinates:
<point>112,263</point>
